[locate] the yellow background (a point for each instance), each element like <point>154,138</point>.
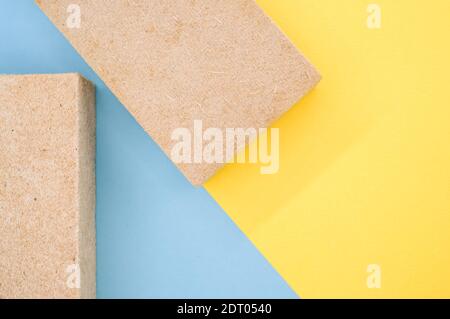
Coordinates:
<point>365,158</point>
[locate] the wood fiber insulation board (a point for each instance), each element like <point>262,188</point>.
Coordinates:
<point>47,186</point>
<point>172,62</point>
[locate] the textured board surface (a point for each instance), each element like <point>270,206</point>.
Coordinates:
<point>47,190</point>
<point>364,175</point>
<point>157,235</point>
<point>172,62</point>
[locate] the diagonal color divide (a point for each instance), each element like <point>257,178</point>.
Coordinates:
<point>362,199</point>
<point>360,207</point>
<point>157,236</point>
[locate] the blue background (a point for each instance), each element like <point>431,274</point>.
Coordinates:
<point>157,236</point>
